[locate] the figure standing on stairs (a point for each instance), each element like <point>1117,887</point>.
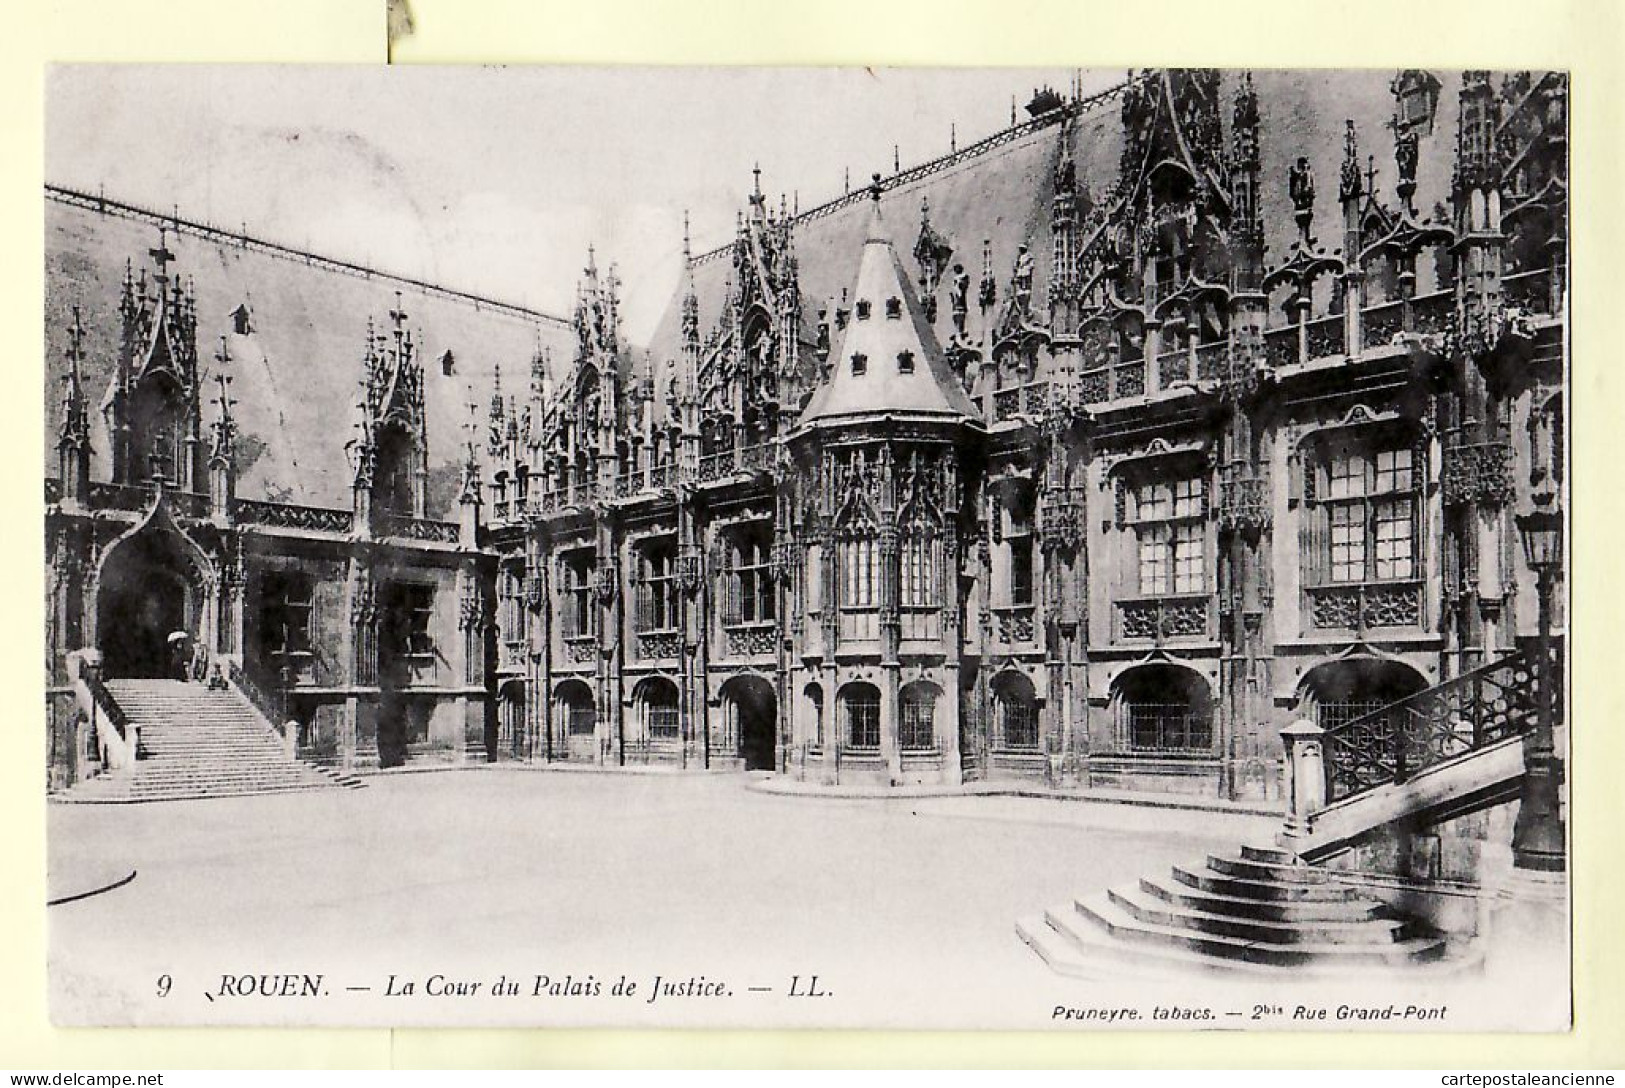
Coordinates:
<point>180,655</point>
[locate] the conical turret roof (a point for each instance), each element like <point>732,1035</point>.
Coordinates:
<point>888,361</point>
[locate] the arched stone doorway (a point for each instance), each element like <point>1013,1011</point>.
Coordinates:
<point>150,585</point>
<point>753,707</point>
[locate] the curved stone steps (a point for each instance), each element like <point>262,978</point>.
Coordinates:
<point>1296,931</point>
<point>1304,910</point>
<point>1262,911</point>
<point>1123,924</point>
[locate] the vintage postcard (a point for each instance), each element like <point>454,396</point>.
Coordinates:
<point>782,548</point>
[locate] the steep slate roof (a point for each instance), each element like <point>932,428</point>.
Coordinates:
<point>928,388</point>
<point>997,191</point>
<point>295,374</point>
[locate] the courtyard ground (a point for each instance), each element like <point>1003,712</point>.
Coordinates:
<point>902,908</point>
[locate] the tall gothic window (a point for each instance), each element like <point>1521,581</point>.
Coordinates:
<point>1018,538</point>
<point>1170,534</point>
<point>657,599</point>
<point>918,574</point>
<point>1365,514</point>
<point>578,618</point>
<point>393,487</point>
<point>511,604</point>
<point>286,608</point>
<point>860,573</point>
<point>409,611</point>
<point>749,577</point>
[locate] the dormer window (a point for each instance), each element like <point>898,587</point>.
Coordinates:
<point>863,309</point>
<point>905,362</point>
<point>448,364</point>
<point>860,364</point>
<point>894,308</point>
<point>242,320</point>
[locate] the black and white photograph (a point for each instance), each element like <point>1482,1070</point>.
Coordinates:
<point>982,548</point>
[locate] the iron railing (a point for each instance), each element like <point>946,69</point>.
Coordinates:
<point>1395,742</point>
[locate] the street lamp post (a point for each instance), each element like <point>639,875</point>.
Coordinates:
<point>1538,834</point>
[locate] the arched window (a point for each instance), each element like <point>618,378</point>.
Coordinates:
<point>1164,709</point>
<point>656,698</point>
<point>1340,691</point>
<point>1015,712</point>
<point>860,704</point>
<point>917,705</point>
<point>578,713</point>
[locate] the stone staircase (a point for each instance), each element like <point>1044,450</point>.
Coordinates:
<point>1264,912</point>
<point>198,742</point>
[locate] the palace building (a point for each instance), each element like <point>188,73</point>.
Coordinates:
<point>1090,455</point>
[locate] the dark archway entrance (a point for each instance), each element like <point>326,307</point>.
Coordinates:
<point>143,596</point>
<point>755,712</point>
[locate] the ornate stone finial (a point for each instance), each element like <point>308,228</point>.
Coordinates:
<point>896,160</point>
<point>222,447</point>
<point>989,286</point>
<point>953,138</point>
<point>1348,187</point>
<point>75,411</point>
<point>875,187</point>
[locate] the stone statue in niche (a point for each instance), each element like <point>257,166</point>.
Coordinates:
<point>959,298</point>
<point>1021,280</point>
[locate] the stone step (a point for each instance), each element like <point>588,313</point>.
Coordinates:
<point>1266,870</point>
<point>1101,911</point>
<point>1081,951</point>
<point>1297,910</point>
<point>196,742</point>
<point>1261,889</point>
<point>116,798</point>
<point>1372,931</point>
<point>1266,852</point>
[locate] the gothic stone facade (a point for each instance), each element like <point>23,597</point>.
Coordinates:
<point>1091,455</point>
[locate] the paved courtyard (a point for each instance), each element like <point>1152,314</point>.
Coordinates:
<point>903,908</point>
